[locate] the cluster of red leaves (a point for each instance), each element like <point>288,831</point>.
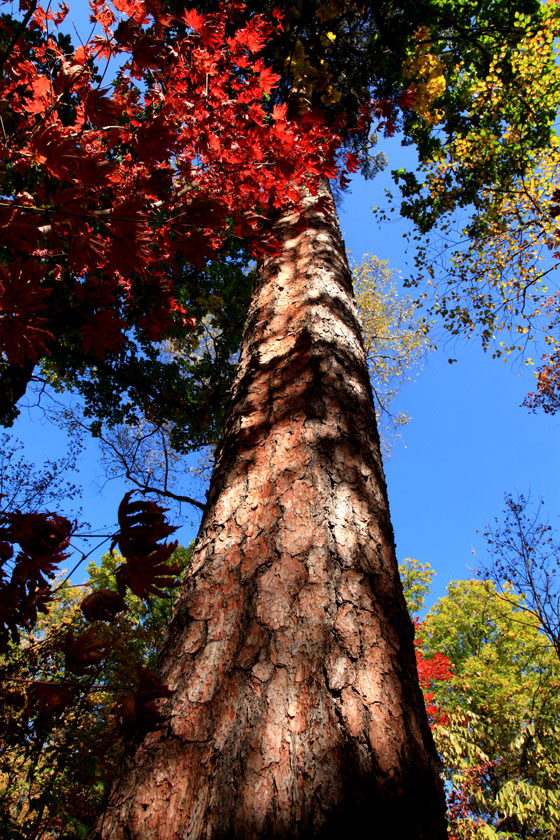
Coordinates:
<point>143,526</point>
<point>383,113</point>
<point>437,668</point>
<point>43,539</point>
<point>25,589</point>
<point>461,823</point>
<point>120,187</point>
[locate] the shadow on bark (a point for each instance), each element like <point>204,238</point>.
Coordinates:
<point>296,710</point>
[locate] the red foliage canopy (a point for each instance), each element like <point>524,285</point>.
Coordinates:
<point>109,191</point>
<point>43,540</point>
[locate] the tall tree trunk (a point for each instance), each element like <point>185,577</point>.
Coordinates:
<point>296,710</point>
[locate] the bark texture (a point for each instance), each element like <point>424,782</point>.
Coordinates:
<point>296,710</point>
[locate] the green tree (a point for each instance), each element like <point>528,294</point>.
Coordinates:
<point>416,580</point>
<point>500,739</point>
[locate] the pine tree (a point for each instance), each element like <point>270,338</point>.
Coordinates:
<point>296,710</point>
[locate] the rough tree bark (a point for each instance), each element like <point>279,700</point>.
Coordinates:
<point>296,709</point>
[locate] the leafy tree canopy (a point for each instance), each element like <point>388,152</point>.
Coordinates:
<point>140,186</point>
<point>396,339</point>
<point>489,196</point>
<point>116,200</point>
<point>499,737</point>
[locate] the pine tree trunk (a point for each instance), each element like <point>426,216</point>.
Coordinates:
<point>297,711</point>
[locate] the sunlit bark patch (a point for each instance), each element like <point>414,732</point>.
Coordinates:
<point>296,710</point>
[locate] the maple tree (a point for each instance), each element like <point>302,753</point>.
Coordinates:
<point>114,197</point>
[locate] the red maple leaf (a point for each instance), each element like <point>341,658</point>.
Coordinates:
<point>40,534</point>
<point>406,99</point>
<point>280,112</point>
<point>142,525</point>
<point>251,38</point>
<point>268,80</point>
<point>99,109</point>
<point>193,20</point>
<point>41,96</point>
<point>352,162</point>
<point>59,153</point>
<point>87,251</point>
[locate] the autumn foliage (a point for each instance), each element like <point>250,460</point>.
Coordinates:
<point>43,539</point>
<point>57,654</point>
<point>71,689</point>
<point>109,191</point>
<point>436,668</point>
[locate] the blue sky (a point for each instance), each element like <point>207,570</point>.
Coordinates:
<point>468,442</point>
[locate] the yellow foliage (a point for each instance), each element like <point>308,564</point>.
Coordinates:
<point>396,338</point>
<point>427,74</point>
<point>331,96</point>
<point>309,75</point>
<point>496,263</point>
